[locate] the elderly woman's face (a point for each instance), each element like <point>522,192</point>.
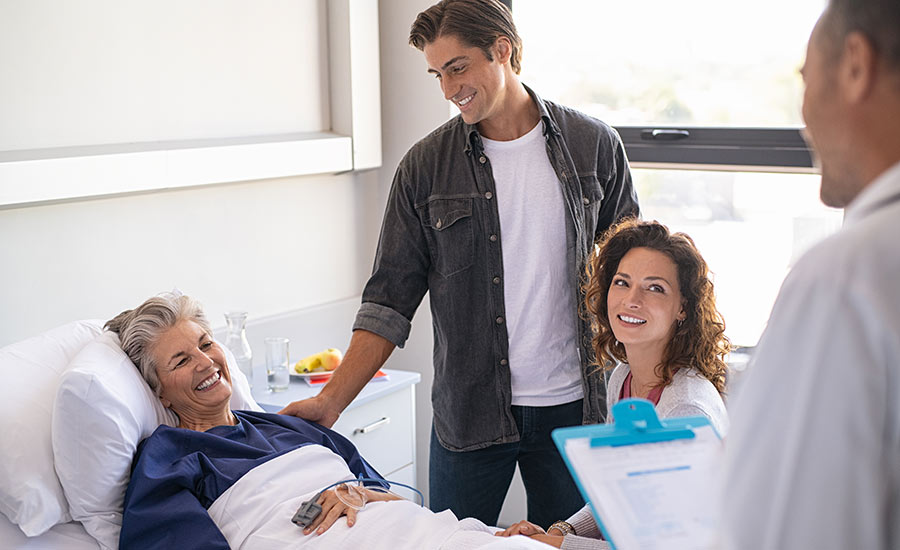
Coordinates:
<point>192,372</point>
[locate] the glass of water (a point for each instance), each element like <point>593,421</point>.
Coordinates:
<point>277,363</point>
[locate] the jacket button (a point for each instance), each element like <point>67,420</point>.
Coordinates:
<point>493,238</point>
<point>496,280</point>
<point>439,224</point>
<point>504,362</point>
<point>488,195</point>
<point>482,159</point>
<point>585,201</point>
<point>499,320</point>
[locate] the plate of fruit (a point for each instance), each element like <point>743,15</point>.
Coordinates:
<point>318,364</point>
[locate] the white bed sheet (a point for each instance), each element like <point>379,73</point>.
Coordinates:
<point>68,536</point>
<point>255,513</point>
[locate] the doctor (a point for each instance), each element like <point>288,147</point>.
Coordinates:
<point>813,456</point>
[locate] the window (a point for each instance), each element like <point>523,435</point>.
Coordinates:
<point>706,95</point>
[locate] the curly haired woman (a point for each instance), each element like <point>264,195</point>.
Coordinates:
<point>653,310</point>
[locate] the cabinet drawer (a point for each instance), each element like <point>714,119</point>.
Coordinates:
<point>382,430</point>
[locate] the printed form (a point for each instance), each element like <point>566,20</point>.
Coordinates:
<point>656,495</point>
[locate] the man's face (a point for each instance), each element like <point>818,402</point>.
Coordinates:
<point>467,78</point>
<point>823,114</point>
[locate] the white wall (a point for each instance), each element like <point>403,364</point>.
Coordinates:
<point>265,246</point>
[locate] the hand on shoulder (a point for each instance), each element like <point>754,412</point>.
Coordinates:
<point>313,409</point>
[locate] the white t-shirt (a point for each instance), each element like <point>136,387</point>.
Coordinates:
<point>539,286</point>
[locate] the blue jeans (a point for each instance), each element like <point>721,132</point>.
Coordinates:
<point>474,483</point>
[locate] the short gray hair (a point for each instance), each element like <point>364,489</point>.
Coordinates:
<point>878,20</point>
<point>139,329</point>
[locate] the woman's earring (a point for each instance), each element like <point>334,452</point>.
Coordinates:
<point>680,322</point>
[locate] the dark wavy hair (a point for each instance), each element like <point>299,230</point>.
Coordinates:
<point>699,343</point>
<point>477,23</point>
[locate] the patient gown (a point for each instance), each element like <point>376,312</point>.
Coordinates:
<point>178,474</point>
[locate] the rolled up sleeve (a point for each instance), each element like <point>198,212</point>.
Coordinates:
<point>399,277</point>
<point>384,322</point>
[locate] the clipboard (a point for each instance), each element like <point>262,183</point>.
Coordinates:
<point>650,483</point>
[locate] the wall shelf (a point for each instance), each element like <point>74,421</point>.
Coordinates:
<point>39,175</point>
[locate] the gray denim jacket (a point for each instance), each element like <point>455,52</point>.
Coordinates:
<point>441,234</point>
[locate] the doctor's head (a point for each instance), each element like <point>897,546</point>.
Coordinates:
<point>169,340</point>
<point>649,293</point>
<point>851,100</point>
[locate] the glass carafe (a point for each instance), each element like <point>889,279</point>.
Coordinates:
<point>236,341</point>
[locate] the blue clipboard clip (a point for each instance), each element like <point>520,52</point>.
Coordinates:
<point>636,423</point>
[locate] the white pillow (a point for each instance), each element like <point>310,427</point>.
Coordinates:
<point>104,408</point>
<point>30,493</point>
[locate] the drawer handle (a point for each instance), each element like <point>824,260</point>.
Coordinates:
<point>373,426</point>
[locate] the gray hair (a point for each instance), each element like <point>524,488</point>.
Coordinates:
<point>139,329</point>
<point>877,20</point>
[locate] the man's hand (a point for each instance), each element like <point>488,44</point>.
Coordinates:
<point>365,355</point>
<point>315,409</point>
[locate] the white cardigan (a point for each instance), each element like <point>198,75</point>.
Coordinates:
<point>689,394</point>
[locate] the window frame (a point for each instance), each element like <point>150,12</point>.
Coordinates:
<point>743,149</point>
<point>720,148</point>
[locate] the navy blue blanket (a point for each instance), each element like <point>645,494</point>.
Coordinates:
<point>177,474</point>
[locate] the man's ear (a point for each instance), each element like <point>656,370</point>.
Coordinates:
<point>858,67</point>
<point>502,50</point>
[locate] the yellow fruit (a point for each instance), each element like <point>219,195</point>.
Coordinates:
<point>327,360</point>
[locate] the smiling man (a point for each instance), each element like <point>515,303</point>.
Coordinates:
<point>493,214</point>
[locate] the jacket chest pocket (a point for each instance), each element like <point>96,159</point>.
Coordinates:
<point>450,234</point>
<point>592,195</point>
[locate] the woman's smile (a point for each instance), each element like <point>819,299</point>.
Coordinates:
<point>209,382</point>
<point>627,320</point>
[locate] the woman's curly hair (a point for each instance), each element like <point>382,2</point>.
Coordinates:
<point>699,342</point>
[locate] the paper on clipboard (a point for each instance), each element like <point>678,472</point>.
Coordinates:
<point>657,495</point>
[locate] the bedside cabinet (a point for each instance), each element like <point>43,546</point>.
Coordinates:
<point>381,420</point>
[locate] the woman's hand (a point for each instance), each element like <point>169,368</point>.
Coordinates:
<point>522,528</point>
<point>553,540</point>
<point>531,530</point>
<point>333,507</point>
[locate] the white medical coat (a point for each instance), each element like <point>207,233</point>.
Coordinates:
<point>813,456</point>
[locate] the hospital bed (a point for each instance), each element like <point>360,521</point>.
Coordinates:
<point>74,409</point>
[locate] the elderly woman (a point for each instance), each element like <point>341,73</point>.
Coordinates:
<point>226,478</point>
<point>653,310</point>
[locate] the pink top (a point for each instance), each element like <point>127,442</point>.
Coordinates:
<point>653,396</point>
